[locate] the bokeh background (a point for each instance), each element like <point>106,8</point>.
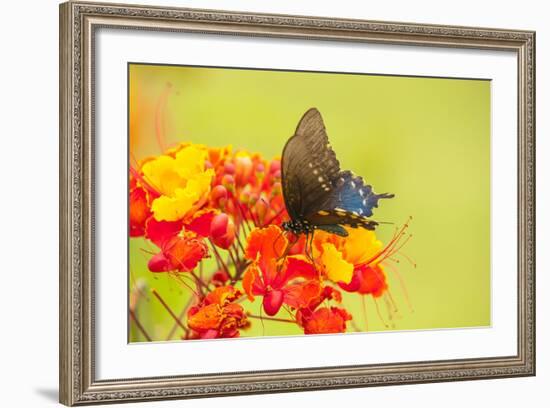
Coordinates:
<point>425,139</point>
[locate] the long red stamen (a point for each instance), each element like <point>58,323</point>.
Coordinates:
<point>364,307</point>
<point>273,319</point>
<point>387,250</point>
<point>178,278</point>
<point>219,258</point>
<point>380,314</point>
<point>169,310</point>
<point>402,285</point>
<point>280,212</point>
<point>159,118</point>
<point>148,186</point>
<point>140,326</point>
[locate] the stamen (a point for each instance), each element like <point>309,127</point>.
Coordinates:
<point>380,314</point>
<point>159,118</point>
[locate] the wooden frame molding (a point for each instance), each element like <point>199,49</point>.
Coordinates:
<point>78,22</point>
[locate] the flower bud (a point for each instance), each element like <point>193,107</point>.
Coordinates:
<point>272,302</point>
<point>274,166</point>
<point>222,231</point>
<point>218,195</point>
<point>261,208</point>
<point>159,263</point>
<point>229,168</point>
<point>219,278</point>
<point>228,181</point>
<point>277,189</point>
<point>243,169</point>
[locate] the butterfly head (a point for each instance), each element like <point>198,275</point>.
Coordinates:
<point>298,227</point>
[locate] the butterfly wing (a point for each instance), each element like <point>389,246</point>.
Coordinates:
<point>314,187</point>
<point>349,203</point>
<point>308,164</point>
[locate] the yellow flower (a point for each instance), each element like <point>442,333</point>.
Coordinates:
<point>182,181</point>
<point>335,267</point>
<point>360,245</point>
<point>339,256</point>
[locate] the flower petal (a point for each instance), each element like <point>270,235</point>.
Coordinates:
<point>327,320</point>
<point>200,223</point>
<point>160,232</point>
<point>185,253</point>
<point>334,265</point>
<point>299,295</point>
<point>273,301</point>
<point>265,246</point>
<point>252,283</point>
<point>373,280</point>
<point>360,245</point>
<point>207,317</point>
<point>296,266</point>
<point>139,211</point>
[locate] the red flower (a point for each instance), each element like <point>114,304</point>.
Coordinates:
<point>292,281</point>
<point>178,252</point>
<point>327,320</point>
<point>217,316</point>
<point>323,320</point>
<point>367,279</point>
<point>201,221</point>
<point>139,211</point>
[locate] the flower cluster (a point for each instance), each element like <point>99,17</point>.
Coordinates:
<point>195,202</point>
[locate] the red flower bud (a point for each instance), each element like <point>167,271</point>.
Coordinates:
<point>277,189</point>
<point>228,181</point>
<point>229,168</point>
<point>273,301</point>
<point>222,231</point>
<point>261,208</point>
<point>274,166</point>
<point>219,278</point>
<point>159,263</point>
<point>243,169</point>
<point>219,195</point>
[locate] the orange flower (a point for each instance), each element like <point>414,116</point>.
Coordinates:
<point>180,250</point>
<point>327,320</point>
<point>217,316</point>
<point>354,262</point>
<point>315,320</point>
<point>367,280</point>
<point>339,256</point>
<point>292,280</point>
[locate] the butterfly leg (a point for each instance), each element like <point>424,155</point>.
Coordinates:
<point>309,247</point>
<point>306,247</point>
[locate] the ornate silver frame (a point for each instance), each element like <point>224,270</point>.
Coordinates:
<point>78,22</point>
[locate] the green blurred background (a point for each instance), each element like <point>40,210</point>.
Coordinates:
<point>425,139</point>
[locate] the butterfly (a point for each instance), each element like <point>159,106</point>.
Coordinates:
<point>317,194</point>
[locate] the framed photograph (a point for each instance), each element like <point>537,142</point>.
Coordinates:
<point>256,203</point>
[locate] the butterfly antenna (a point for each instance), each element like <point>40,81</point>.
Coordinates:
<point>277,215</point>
<point>262,224</point>
<point>385,222</point>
